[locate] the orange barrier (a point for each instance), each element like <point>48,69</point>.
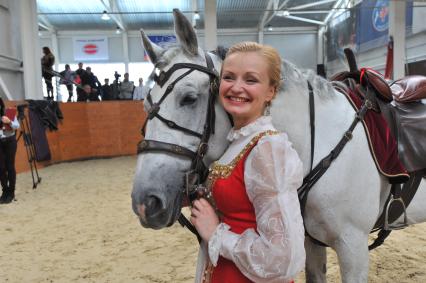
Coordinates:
<point>90,130</point>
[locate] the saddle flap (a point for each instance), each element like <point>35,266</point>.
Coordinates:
<point>379,84</point>
<point>409,89</point>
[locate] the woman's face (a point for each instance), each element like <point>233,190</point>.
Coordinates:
<point>245,87</point>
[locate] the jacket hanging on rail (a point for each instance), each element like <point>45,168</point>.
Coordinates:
<point>43,115</point>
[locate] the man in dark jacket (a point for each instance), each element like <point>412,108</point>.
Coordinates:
<point>106,91</point>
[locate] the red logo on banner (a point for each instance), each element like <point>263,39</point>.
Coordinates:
<point>90,48</point>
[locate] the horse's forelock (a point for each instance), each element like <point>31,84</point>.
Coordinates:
<point>220,52</point>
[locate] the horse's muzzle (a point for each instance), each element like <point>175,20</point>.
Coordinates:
<point>154,211</point>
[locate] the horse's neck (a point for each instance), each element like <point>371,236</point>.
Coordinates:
<point>291,114</point>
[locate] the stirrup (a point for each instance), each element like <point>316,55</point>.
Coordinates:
<point>389,226</point>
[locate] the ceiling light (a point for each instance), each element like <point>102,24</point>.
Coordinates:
<point>118,30</point>
<point>269,28</point>
<point>196,16</point>
<point>283,13</point>
<point>105,16</point>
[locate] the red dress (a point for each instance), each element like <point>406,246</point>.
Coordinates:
<point>235,208</point>
<point>238,212</point>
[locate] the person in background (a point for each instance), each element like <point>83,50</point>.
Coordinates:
<point>8,146</point>
<point>93,81</point>
<point>141,91</point>
<point>81,73</point>
<point>126,88</point>
<point>89,94</point>
<point>67,78</point>
<point>47,62</point>
<point>252,228</point>
<point>106,91</point>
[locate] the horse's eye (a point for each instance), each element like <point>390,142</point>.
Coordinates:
<point>188,100</point>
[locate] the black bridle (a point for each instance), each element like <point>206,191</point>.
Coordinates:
<point>198,170</point>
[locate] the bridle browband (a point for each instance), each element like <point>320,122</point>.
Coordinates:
<point>198,170</point>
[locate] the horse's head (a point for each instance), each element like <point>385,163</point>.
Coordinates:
<point>183,117</point>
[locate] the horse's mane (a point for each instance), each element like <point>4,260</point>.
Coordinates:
<point>294,77</point>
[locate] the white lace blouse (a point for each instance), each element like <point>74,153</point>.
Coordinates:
<point>273,172</point>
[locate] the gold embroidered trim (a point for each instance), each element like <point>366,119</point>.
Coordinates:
<point>207,274</point>
<point>217,170</point>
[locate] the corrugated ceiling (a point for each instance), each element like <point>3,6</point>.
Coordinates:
<point>157,14</point>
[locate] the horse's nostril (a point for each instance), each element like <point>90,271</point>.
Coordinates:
<point>154,204</point>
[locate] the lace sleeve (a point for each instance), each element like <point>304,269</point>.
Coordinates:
<point>273,172</point>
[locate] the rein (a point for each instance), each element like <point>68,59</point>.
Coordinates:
<point>198,170</point>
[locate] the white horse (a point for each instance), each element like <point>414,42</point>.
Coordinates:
<point>342,207</point>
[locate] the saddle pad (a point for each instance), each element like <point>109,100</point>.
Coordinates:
<point>382,144</point>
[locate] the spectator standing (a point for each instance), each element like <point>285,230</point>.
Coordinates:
<point>93,81</point>
<point>106,91</point>
<point>126,88</point>
<point>67,78</point>
<point>141,91</point>
<point>47,62</point>
<point>81,73</point>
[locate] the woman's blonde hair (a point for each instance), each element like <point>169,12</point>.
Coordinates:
<point>268,52</point>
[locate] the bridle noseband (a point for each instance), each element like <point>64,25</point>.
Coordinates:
<point>198,170</point>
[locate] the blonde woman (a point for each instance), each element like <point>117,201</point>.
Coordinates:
<point>252,231</point>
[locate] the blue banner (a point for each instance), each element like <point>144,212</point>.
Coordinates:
<point>163,41</point>
<point>373,23</point>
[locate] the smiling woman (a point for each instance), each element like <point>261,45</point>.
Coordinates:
<point>253,226</point>
<point>250,80</point>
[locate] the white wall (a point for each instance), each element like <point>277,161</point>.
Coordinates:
<point>11,77</point>
<point>300,49</point>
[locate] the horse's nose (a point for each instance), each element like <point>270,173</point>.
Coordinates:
<point>154,205</point>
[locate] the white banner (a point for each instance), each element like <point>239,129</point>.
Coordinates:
<point>90,48</point>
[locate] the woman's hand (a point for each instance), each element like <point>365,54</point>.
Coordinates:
<point>5,120</point>
<point>204,218</point>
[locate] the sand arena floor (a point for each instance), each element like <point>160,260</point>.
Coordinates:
<point>78,226</point>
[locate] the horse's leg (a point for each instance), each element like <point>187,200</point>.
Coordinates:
<point>316,261</point>
<point>352,253</point>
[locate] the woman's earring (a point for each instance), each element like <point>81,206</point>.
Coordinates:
<point>267,111</point>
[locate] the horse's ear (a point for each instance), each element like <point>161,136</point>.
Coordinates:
<point>154,51</point>
<point>185,33</point>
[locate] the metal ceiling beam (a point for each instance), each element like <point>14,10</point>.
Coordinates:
<point>333,10</point>
<point>310,12</point>
<point>261,25</point>
<point>114,13</point>
<point>304,6</point>
<point>305,20</point>
<point>45,23</point>
<point>275,12</point>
